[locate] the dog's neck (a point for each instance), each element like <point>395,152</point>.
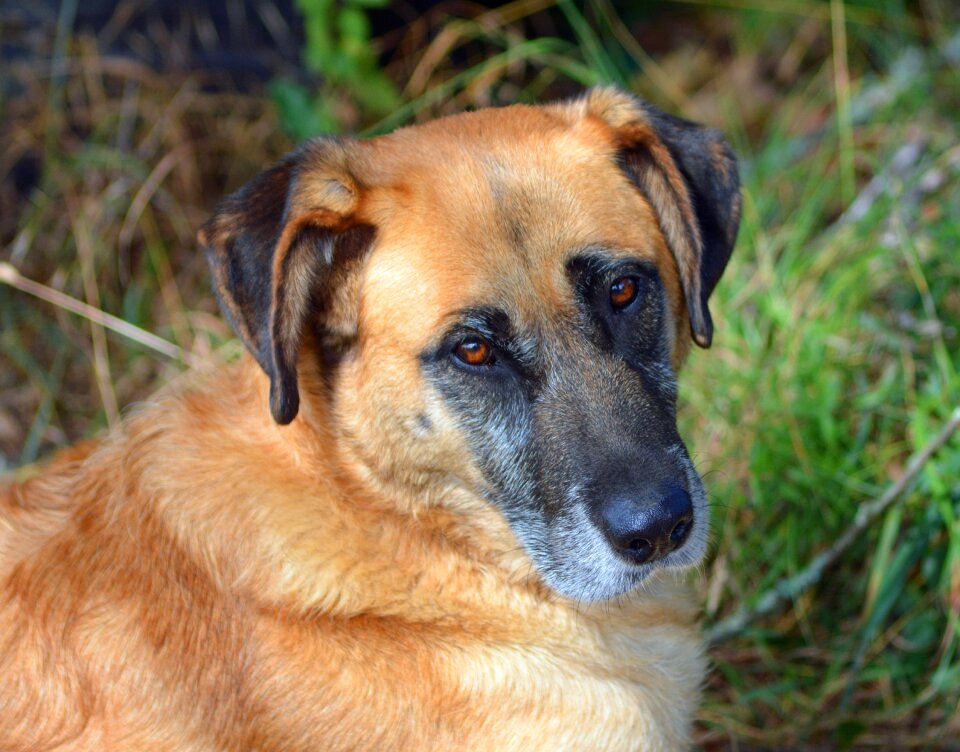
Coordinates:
<point>327,538</point>
<point>312,531</point>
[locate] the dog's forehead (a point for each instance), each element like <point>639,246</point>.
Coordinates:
<point>487,208</point>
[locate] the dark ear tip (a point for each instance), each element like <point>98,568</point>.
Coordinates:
<point>206,235</point>
<point>701,327</point>
<point>284,403</point>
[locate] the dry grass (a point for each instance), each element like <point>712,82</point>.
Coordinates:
<point>128,163</point>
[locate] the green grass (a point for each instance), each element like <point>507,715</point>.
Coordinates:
<point>837,349</point>
<point>837,358</point>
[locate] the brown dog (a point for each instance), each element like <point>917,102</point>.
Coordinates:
<point>460,522</point>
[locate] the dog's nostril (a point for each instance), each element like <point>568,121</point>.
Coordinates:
<point>640,549</point>
<point>679,534</point>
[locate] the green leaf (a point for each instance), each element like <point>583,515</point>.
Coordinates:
<point>301,115</point>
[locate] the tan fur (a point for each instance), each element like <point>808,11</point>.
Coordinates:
<point>203,578</point>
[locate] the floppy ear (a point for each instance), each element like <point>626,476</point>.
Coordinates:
<point>269,246</point>
<point>689,175</point>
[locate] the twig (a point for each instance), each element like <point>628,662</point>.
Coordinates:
<point>903,161</point>
<point>789,588</point>
<point>10,276</point>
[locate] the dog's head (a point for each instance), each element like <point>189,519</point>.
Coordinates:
<point>499,301</point>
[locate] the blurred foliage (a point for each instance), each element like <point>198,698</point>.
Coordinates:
<point>337,47</point>
<point>837,349</point>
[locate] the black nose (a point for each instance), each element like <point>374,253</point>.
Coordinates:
<point>645,527</point>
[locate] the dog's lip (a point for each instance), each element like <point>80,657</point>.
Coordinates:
<point>638,574</point>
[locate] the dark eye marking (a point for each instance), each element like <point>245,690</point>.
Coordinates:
<point>611,284</point>
<point>481,341</point>
<point>620,304</point>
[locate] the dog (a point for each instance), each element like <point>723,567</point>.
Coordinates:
<point>442,503</point>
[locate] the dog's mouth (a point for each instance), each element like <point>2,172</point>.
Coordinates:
<point>580,557</point>
<point>590,570</point>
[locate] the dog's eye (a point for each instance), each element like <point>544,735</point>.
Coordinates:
<point>474,351</point>
<point>623,292</point>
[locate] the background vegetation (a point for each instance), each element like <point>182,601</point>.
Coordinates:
<point>838,322</point>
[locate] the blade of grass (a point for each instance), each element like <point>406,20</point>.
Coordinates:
<point>65,19</point>
<point>458,31</point>
<point>593,51</point>
<point>841,87</point>
<point>650,67</point>
<point>530,50</point>
<point>101,358</point>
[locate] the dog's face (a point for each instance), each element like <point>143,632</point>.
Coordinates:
<point>500,301</point>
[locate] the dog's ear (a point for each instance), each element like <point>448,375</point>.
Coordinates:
<point>270,244</point>
<point>689,175</point>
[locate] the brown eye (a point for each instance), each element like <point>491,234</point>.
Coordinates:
<point>622,292</point>
<point>474,352</point>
